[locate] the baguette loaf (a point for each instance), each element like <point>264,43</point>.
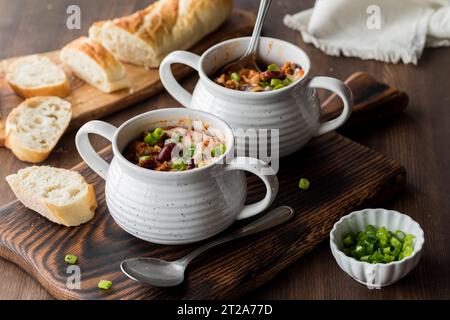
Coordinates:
<point>37,76</point>
<point>147,36</point>
<point>91,62</point>
<point>60,195</point>
<point>34,127</point>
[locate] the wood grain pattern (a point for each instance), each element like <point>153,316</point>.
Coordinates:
<point>344,175</point>
<point>89,103</point>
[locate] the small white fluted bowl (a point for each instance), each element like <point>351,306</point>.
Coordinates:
<point>380,274</point>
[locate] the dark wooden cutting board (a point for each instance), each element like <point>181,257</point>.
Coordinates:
<point>344,176</point>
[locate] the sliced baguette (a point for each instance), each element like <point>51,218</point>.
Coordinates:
<point>91,62</point>
<point>60,195</point>
<point>34,127</point>
<point>147,36</point>
<point>37,76</point>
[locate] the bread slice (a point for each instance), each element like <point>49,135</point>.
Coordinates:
<point>91,62</point>
<point>37,76</point>
<point>60,195</point>
<point>147,36</point>
<point>34,127</point>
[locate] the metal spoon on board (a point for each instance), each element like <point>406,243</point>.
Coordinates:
<point>248,60</point>
<point>161,273</point>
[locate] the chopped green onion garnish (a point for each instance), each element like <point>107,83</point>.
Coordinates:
<point>150,139</point>
<point>179,164</point>
<point>272,67</point>
<point>279,86</point>
<point>144,158</point>
<point>191,150</point>
<point>287,81</point>
<point>348,240</point>
<point>235,76</point>
<point>275,82</point>
<point>378,245</point>
<point>70,259</point>
<point>104,284</point>
<point>154,137</point>
<point>264,84</point>
<point>158,133</point>
<point>219,150</point>
<point>303,184</point>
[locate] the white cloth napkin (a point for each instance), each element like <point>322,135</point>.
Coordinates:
<point>386,30</point>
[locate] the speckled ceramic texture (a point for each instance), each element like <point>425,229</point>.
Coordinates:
<point>376,275</point>
<point>293,110</point>
<point>173,207</point>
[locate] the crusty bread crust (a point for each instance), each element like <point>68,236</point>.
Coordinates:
<point>62,90</point>
<point>114,72</point>
<point>163,27</point>
<point>67,215</point>
<point>23,153</point>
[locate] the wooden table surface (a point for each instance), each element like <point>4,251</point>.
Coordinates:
<point>418,139</point>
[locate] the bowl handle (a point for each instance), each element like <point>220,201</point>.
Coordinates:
<point>266,174</point>
<point>85,149</point>
<point>344,92</point>
<point>168,80</point>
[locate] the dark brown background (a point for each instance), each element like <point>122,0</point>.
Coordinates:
<point>418,140</point>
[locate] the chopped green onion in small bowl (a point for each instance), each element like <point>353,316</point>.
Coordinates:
<point>378,245</point>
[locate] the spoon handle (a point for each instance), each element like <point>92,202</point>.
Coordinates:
<point>269,220</point>
<point>263,9</point>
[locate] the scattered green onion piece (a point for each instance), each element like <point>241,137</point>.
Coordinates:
<point>400,235</point>
<point>219,150</point>
<point>395,242</point>
<point>371,237</point>
<point>361,236</point>
<point>158,133</point>
<point>264,84</point>
<point>272,67</point>
<point>149,139</point>
<point>154,137</point>
<point>348,240</point>
<point>144,158</point>
<point>388,258</point>
<point>179,164</point>
<point>235,76</point>
<point>104,284</point>
<point>191,150</point>
<point>279,86</point>
<point>371,228</point>
<point>274,82</point>
<point>70,259</point>
<point>304,184</point>
<point>287,81</point>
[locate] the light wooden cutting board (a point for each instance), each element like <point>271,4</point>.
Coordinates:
<point>88,103</point>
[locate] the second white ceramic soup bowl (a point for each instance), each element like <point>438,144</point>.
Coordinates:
<point>294,110</point>
<point>174,207</point>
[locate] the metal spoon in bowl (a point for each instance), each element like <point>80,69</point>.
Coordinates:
<point>161,273</point>
<point>248,60</point>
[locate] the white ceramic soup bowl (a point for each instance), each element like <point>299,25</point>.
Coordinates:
<point>293,110</point>
<point>174,207</point>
